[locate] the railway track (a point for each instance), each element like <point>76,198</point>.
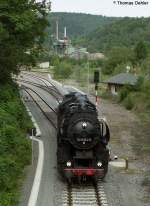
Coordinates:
<point>42,105</point>
<point>48,90</point>
<point>91,194</point>
<point>45,82</point>
<point>84,195</point>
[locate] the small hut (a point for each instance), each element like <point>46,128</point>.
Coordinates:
<point>116,82</point>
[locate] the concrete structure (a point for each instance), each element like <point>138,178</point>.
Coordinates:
<point>44,65</point>
<point>96,56</point>
<point>119,80</point>
<point>61,45</point>
<point>77,53</point>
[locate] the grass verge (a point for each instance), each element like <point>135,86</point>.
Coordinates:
<point>15,150</point>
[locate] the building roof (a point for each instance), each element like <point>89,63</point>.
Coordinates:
<point>122,79</point>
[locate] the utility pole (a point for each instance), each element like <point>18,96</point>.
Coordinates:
<point>96,81</point>
<point>88,77</point>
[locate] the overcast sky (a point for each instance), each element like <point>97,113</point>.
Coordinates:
<point>101,7</point>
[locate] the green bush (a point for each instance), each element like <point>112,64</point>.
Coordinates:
<point>146,87</point>
<point>63,70</point>
<point>139,84</point>
<point>15,149</point>
<point>9,198</point>
<point>128,102</point>
<point>123,94</point>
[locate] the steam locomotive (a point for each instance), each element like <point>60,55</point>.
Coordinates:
<point>82,139</point>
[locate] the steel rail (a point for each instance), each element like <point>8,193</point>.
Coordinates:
<point>42,100</point>
<point>41,87</point>
<point>89,197</point>
<point>43,80</point>
<point>97,193</point>
<point>26,90</point>
<point>87,194</point>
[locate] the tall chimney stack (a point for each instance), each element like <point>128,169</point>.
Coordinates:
<point>65,32</point>
<point>57,30</point>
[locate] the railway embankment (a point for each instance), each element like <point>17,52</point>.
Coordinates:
<point>15,150</point>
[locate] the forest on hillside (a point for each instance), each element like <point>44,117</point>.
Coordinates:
<point>124,32</point>
<point>99,33</point>
<point>77,23</point>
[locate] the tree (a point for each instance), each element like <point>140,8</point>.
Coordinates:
<point>117,56</point>
<point>146,66</point>
<point>22,25</point>
<point>140,51</point>
<point>63,70</point>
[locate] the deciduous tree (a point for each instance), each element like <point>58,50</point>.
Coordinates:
<point>22,25</point>
<point>140,51</point>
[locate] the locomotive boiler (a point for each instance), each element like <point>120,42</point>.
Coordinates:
<point>82,139</point>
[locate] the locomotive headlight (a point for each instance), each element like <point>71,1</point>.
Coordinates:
<point>99,164</point>
<point>68,164</point>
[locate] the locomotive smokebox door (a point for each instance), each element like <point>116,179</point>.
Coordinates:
<point>96,77</point>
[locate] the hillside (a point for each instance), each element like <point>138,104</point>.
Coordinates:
<point>124,32</point>
<point>99,33</point>
<point>77,23</point>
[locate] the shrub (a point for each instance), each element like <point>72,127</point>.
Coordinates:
<point>139,84</point>
<point>123,94</point>
<point>15,150</point>
<point>63,70</point>
<point>128,102</point>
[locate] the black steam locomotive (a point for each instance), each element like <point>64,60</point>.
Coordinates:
<point>82,139</point>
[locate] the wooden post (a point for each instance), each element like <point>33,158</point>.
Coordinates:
<point>127,164</point>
